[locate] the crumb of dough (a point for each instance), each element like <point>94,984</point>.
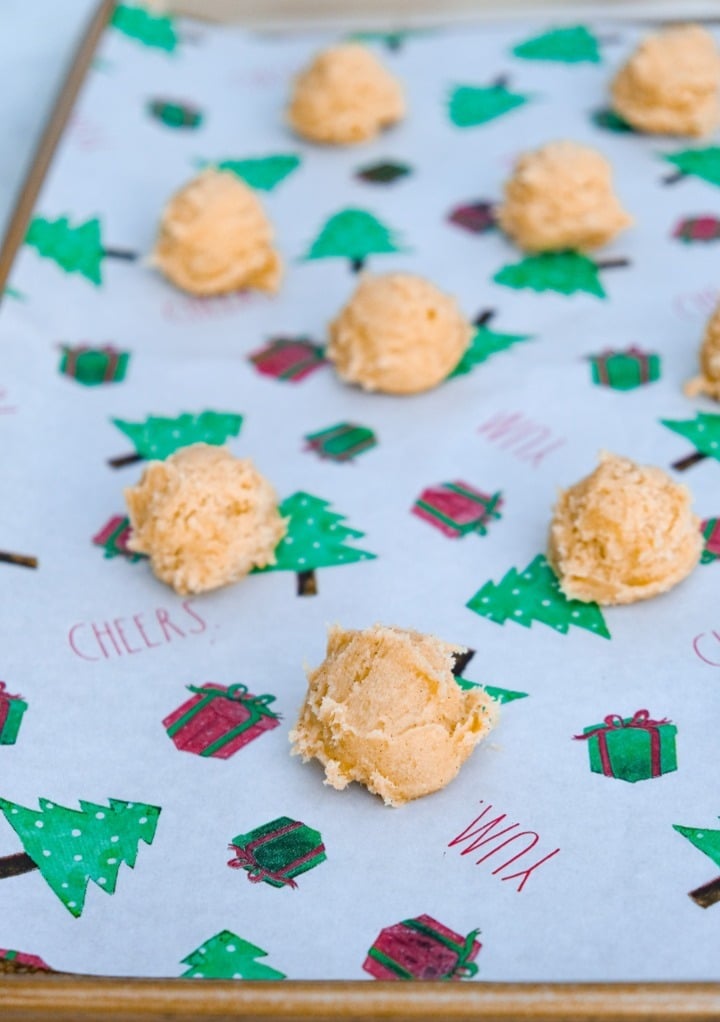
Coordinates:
<point>624,533</point>
<point>384,709</point>
<point>204,517</point>
<point>398,334</point>
<point>214,238</point>
<point>561,197</point>
<point>669,86</point>
<point>708,382</point>
<point>344,96</point>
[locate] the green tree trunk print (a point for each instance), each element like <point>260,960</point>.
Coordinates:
<point>262,173</point>
<point>157,438</point>
<point>227,956</point>
<point>534,594</point>
<point>70,847</point>
<point>353,234</point>
<point>572,45</point>
<point>316,538</point>
<point>484,344</point>
<point>703,432</point>
<point>74,249</point>
<point>472,105</point>
<point>702,163</point>
<point>564,272</point>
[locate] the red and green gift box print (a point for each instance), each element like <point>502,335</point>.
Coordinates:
<point>278,851</point>
<point>633,748</point>
<point>12,708</point>
<point>422,948</point>
<point>218,721</point>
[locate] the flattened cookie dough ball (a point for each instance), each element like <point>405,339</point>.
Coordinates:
<point>561,197</point>
<point>398,334</point>
<point>624,533</point>
<point>384,709</point>
<point>709,380</point>
<point>204,517</point>
<point>669,86</point>
<point>214,238</point>
<point>345,96</point>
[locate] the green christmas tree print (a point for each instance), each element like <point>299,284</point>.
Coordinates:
<point>608,120</point>
<point>154,30</point>
<point>564,272</point>
<point>392,40</point>
<point>708,842</point>
<point>174,114</point>
<point>535,595</point>
<point>500,695</point>
<point>75,249</point>
<point>703,432</point>
<point>70,847</point>
<point>573,45</point>
<point>316,538</point>
<point>262,173</point>
<point>158,438</point>
<point>227,956</point>
<point>472,105</point>
<point>353,234</point>
<point>484,343</point>
<point>702,163</point>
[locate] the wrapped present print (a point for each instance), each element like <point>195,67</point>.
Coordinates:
<point>12,708</point>
<point>633,748</point>
<point>93,366</point>
<point>218,721</point>
<point>113,538</point>
<point>383,173</point>
<point>175,114</point>
<point>624,370</point>
<point>289,358</point>
<point>342,442</point>
<point>710,528</point>
<point>21,962</point>
<point>475,217</point>
<point>457,509</point>
<point>422,948</point>
<point>278,852</point>
<point>697,228</point>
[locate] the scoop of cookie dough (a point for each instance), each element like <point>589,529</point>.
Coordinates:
<point>561,197</point>
<point>214,238</point>
<point>398,334</point>
<point>670,83</point>
<point>384,709</point>
<point>624,533</point>
<point>709,380</point>
<point>204,517</point>
<point>345,96</point>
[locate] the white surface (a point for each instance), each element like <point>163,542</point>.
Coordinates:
<point>603,907</point>
<point>36,45</point>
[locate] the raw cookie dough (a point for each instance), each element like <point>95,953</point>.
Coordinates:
<point>384,709</point>
<point>204,517</point>
<point>670,83</point>
<point>624,533</point>
<point>560,197</point>
<point>214,238</point>
<point>345,96</point>
<point>709,380</point>
<point>398,334</point>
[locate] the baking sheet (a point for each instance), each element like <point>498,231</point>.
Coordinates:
<point>93,728</point>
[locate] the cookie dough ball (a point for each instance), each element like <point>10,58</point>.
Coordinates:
<point>669,86</point>
<point>709,380</point>
<point>204,517</point>
<point>384,709</point>
<point>561,197</point>
<point>398,334</point>
<point>214,238</point>
<point>624,533</point>
<point>345,96</point>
